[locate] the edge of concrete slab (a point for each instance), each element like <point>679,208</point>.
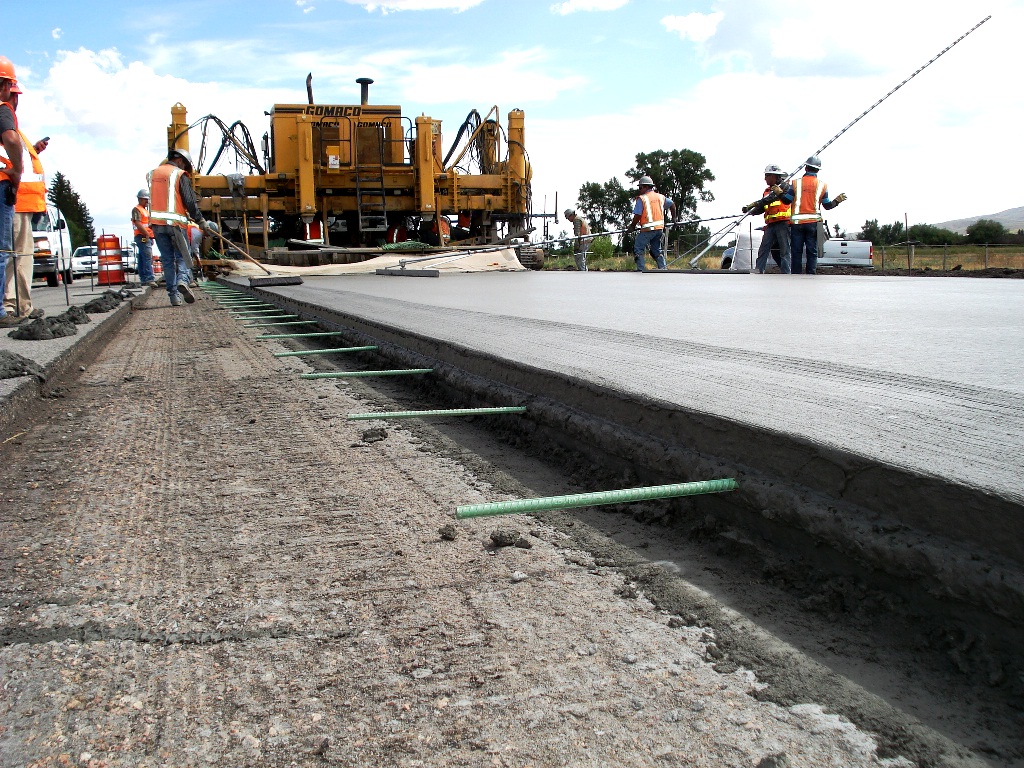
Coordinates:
<point>941,542</point>
<point>14,407</point>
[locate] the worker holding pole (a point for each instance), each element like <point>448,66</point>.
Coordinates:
<point>173,203</point>
<point>776,205</point>
<point>649,213</point>
<point>580,230</point>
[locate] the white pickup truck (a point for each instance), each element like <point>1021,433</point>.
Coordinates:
<point>832,251</point>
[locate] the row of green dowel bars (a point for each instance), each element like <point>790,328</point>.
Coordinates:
<point>263,315</point>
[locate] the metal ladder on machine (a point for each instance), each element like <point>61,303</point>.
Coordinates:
<point>371,195</point>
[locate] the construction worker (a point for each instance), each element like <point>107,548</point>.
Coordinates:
<point>10,177</point>
<point>143,239</point>
<point>649,213</point>
<point>172,202</point>
<point>776,205</point>
<point>30,203</point>
<point>580,229</point>
<point>810,195</point>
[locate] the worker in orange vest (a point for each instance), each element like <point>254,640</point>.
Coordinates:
<point>649,213</point>
<point>580,230</point>
<point>30,203</point>
<point>172,204</point>
<point>10,176</point>
<point>777,206</point>
<point>810,195</point>
<point>143,239</point>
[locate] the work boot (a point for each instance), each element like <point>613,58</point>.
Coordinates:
<point>175,300</point>
<point>187,294</point>
<point>9,320</point>
<point>151,284</point>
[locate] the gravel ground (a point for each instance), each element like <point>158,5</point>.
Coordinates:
<point>204,563</point>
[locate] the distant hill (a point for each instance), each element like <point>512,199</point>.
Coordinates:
<point>1012,219</point>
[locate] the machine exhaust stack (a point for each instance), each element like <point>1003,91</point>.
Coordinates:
<point>364,93</point>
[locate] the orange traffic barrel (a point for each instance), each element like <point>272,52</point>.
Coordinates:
<point>110,270</point>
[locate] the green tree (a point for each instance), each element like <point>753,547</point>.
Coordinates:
<point>929,234</point>
<point>986,231</point>
<point>80,224</point>
<point>606,206</point>
<point>870,231</point>
<point>681,175</point>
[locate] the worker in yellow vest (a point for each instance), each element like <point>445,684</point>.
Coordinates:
<point>30,203</point>
<point>143,239</point>
<point>777,207</point>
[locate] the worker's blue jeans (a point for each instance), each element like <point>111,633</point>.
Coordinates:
<point>777,232</point>
<point>801,236</point>
<point>172,259</point>
<point>145,259</point>
<point>6,239</point>
<point>648,238</point>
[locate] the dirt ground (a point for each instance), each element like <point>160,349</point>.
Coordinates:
<point>204,563</point>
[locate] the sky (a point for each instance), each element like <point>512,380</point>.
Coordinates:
<point>743,83</point>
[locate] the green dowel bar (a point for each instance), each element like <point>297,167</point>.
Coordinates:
<point>265,314</point>
<point>364,374</point>
<point>300,335</point>
<point>323,351</point>
<point>290,322</point>
<point>265,317</point>
<point>576,500</point>
<point>424,414</point>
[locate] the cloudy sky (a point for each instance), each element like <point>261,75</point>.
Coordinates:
<point>744,83</point>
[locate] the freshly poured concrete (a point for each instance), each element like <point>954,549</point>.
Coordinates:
<point>920,373</point>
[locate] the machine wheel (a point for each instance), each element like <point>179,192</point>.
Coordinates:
<point>51,279</point>
<point>68,277</point>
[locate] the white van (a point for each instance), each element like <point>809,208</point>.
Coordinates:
<point>52,247</point>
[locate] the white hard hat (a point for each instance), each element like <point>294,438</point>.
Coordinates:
<point>814,162</point>
<point>570,211</point>
<point>143,193</point>
<point>646,181</point>
<point>773,168</point>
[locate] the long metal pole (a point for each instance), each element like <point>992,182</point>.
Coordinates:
<point>577,500</point>
<point>856,120</point>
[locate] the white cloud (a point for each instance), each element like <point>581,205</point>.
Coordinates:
<point>572,6</point>
<point>56,33</point>
<point>697,27</point>
<point>388,6</point>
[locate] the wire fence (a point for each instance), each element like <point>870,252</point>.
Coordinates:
<point>949,257</point>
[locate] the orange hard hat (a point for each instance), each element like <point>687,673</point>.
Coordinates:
<point>7,69</point>
<point>15,88</point>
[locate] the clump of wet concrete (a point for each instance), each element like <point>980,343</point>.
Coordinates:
<point>75,314</point>
<point>375,435</point>
<point>505,537</point>
<point>448,532</point>
<point>45,328</point>
<point>13,365</point>
<point>106,302</point>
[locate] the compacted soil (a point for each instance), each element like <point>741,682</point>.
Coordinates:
<point>204,563</point>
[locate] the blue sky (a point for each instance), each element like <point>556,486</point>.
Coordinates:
<point>745,83</point>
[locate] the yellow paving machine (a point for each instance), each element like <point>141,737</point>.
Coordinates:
<point>354,176</point>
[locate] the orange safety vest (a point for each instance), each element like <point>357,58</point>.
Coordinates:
<point>653,215</point>
<point>165,204</point>
<point>808,193</point>
<point>776,210</point>
<point>32,190</point>
<point>141,225</point>
<point>6,162</point>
